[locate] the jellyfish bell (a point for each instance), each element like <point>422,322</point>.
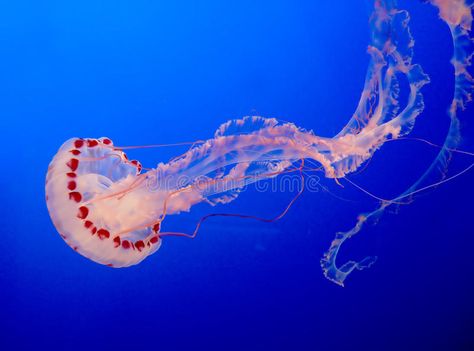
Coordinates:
<point>81,169</point>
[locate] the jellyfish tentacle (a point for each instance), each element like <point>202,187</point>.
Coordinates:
<point>391,54</point>
<point>245,216</point>
<point>458,16</point>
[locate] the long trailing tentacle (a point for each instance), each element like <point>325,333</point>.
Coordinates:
<point>458,15</point>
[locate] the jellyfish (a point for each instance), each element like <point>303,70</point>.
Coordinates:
<point>111,210</point>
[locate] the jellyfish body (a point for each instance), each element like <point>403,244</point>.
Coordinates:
<point>110,211</point>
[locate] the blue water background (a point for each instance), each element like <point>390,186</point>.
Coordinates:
<point>146,72</point>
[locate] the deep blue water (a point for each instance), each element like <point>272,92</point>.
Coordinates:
<point>147,72</point>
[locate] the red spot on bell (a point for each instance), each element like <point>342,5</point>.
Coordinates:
<point>137,164</point>
<point>103,234</point>
<point>139,245</point>
<point>156,227</point>
<point>83,212</point>
<point>117,241</point>
<point>71,185</point>
<point>71,175</point>
<point>75,152</point>
<point>75,196</point>
<point>107,141</point>
<point>93,230</point>
<point>87,224</point>
<point>154,240</point>
<point>73,164</point>
<point>92,142</point>
<point>78,143</point>
<point>126,244</point>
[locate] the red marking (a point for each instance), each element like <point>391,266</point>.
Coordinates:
<point>87,224</point>
<point>154,240</point>
<point>110,265</point>
<point>71,175</point>
<point>92,143</point>
<point>117,241</point>
<point>103,234</point>
<point>75,152</point>
<point>138,165</point>
<point>75,248</point>
<point>107,141</point>
<point>93,230</point>
<point>78,143</point>
<point>148,244</point>
<point>126,244</point>
<point>71,185</point>
<point>156,227</point>
<point>83,212</point>
<point>63,236</point>
<point>124,156</point>
<point>75,196</point>
<point>139,245</point>
<point>73,164</point>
